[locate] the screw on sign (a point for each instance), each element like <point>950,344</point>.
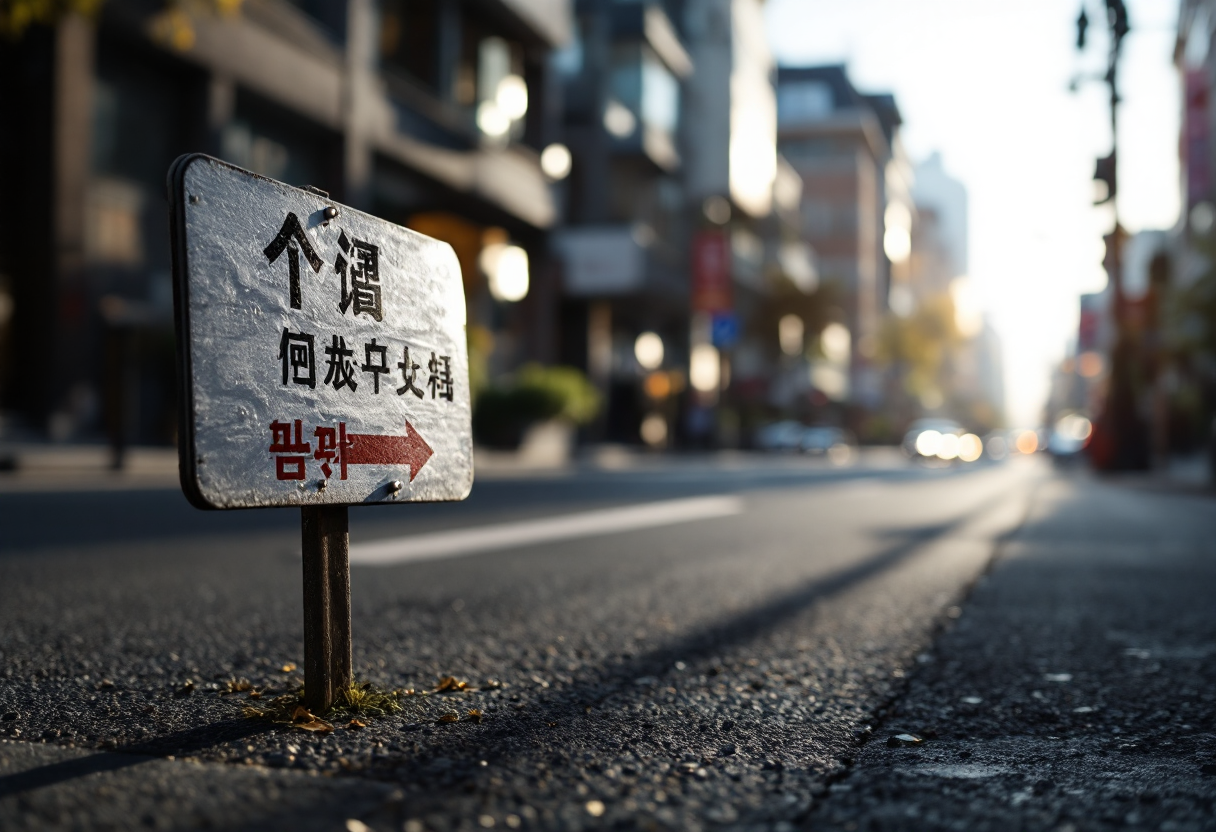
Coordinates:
<point>319,387</point>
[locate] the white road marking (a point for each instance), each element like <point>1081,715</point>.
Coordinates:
<point>458,542</point>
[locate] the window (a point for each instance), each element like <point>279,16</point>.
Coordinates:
<point>409,39</point>
<point>276,143</point>
<point>641,82</point>
<point>803,102</point>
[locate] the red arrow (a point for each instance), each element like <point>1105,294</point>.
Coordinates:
<point>373,449</point>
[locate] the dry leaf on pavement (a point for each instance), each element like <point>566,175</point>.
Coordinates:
<point>303,719</point>
<point>236,686</point>
<point>450,683</point>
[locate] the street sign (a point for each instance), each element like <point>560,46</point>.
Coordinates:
<point>322,364</point>
<point>323,354</point>
<point>724,329</point>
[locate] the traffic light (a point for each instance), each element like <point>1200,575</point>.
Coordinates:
<point>1105,172</point>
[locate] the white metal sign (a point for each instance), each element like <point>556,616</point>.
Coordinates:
<point>322,350</point>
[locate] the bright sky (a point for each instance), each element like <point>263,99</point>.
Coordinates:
<point>986,83</point>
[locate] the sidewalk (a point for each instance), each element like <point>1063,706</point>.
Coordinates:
<point>1077,690</point>
<point>31,466</point>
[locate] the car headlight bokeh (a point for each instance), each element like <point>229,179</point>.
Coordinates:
<point>928,443</point>
<point>970,448</point>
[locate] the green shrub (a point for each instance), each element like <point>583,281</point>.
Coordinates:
<point>535,394</point>
<point>568,393</point>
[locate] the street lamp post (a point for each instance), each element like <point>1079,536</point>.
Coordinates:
<point>1121,443</point>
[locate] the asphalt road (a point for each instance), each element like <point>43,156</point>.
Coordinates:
<point>1077,691</point>
<point>722,669</point>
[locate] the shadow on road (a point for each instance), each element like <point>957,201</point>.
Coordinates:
<point>191,741</point>
<point>561,719</point>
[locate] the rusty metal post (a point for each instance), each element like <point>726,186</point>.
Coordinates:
<point>326,559</point>
<point>339,601</point>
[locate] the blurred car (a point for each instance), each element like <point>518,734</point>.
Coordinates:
<point>997,445</point>
<point>1069,437</point>
<point>924,437</point>
<point>781,436</point>
<point>942,440</point>
<point>836,444</point>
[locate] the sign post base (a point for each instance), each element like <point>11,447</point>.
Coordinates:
<point>326,550</point>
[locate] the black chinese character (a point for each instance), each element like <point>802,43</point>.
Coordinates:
<point>364,271</point>
<point>376,368</point>
<point>290,234</point>
<point>299,362</point>
<point>440,381</point>
<point>341,370</point>
<point>409,374</point>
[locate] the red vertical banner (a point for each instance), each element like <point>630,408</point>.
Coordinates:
<point>1196,134</point>
<point>711,289</point>
<point>1093,307</point>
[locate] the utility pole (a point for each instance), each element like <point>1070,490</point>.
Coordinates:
<point>1121,440</point>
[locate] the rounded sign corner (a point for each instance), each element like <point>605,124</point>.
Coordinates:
<point>193,490</point>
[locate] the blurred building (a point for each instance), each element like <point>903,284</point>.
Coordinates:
<point>606,171</point>
<point>429,113</point>
<point>1079,382</point>
<point>623,250</point>
<point>975,389</point>
<point>857,210</point>
<point>970,382</point>
<point>936,190</point>
<point>682,223</point>
<point>743,201</point>
<point>1173,276</point>
<point>939,236</point>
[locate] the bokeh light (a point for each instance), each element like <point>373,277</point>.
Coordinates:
<point>704,368</point>
<point>970,448</point>
<point>1076,427</point>
<point>1027,442</point>
<point>1091,364</point>
<point>928,442</point>
<point>648,350</point>
<point>658,385</point>
<point>556,161</point>
<point>512,97</point>
<point>654,430</point>
<point>947,448</point>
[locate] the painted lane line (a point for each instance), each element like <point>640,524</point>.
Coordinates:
<point>450,544</point>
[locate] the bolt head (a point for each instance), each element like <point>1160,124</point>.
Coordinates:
<point>395,486</point>
<point>330,213</point>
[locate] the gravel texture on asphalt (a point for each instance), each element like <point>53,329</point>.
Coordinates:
<point>719,673</point>
<point>1077,690</point>
<point>53,787</point>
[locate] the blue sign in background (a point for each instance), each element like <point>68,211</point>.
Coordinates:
<point>724,329</point>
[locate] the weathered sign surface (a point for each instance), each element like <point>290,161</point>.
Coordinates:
<point>322,350</point>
